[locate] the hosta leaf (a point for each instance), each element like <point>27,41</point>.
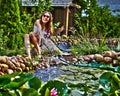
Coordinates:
<point>5,94</point>
<point>117,69</point>
<point>23,78</point>
<point>115,82</point>
<point>4,79</point>
<point>34,83</point>
<point>13,85</point>
<point>19,81</point>
<point>30,92</point>
<point>15,74</point>
<point>115,93</point>
<point>105,78</point>
<point>8,93</point>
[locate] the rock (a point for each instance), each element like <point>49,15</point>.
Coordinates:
<point>1,73</point>
<point>4,67</point>
<point>22,66</point>
<point>107,53</point>
<point>91,56</point>
<point>87,59</point>
<point>27,69</point>
<point>75,60</point>
<point>80,58</point>
<point>20,59</point>
<point>10,71</point>
<point>98,57</point>
<point>11,65</point>
<point>118,58</point>
<point>18,69</point>
<point>115,63</point>
<point>118,53</point>
<point>3,59</point>
<point>108,59</point>
<point>111,54</point>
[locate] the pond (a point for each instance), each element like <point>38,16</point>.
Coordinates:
<point>79,79</point>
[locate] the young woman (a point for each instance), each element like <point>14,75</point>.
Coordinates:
<point>43,29</point>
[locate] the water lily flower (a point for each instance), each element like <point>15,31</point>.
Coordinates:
<point>53,92</point>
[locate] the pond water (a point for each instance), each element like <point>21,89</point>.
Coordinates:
<point>46,74</point>
<point>78,78</point>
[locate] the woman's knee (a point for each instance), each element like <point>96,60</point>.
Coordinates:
<point>26,38</point>
<point>33,38</point>
<point>31,35</point>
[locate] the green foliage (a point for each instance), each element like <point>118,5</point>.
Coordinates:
<point>87,46</point>
<point>27,21</point>
<point>36,85</point>
<point>44,5</point>
<point>18,81</point>
<point>5,79</point>
<point>25,84</point>
<point>10,23</point>
<point>30,92</point>
<point>111,83</point>
<point>59,86</point>
<point>28,85</point>
<point>97,20</point>
<point>56,25</point>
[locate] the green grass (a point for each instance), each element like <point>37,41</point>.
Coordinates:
<point>8,52</point>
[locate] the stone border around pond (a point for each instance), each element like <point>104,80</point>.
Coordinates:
<point>20,64</point>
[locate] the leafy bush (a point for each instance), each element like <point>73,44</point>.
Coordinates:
<point>87,46</point>
<point>10,23</point>
<point>96,21</point>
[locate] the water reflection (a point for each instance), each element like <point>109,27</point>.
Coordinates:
<point>46,74</point>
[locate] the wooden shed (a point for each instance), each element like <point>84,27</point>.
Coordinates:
<point>63,12</point>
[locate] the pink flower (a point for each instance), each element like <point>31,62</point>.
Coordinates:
<point>53,92</point>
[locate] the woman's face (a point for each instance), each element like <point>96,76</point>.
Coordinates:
<point>45,17</point>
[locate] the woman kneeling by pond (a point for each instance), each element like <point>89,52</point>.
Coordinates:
<point>43,30</point>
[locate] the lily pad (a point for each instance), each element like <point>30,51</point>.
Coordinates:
<point>58,85</point>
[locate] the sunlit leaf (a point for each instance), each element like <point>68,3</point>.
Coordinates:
<point>15,74</point>
<point>47,92</point>
<point>115,83</point>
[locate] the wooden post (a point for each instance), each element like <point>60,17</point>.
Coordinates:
<point>67,20</point>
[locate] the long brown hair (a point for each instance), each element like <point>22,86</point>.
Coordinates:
<point>49,24</point>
